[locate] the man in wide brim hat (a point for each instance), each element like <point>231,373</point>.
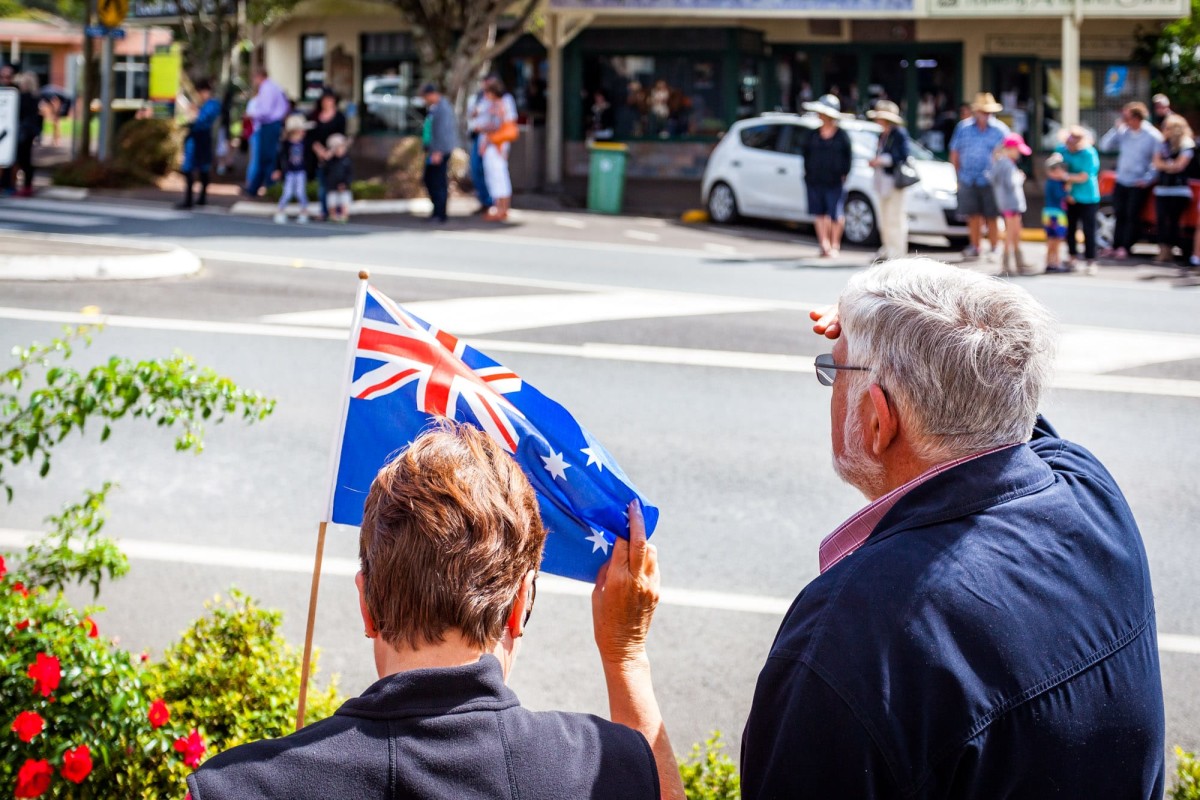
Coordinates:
<point>827,106</point>
<point>971,148</point>
<point>886,111</point>
<point>986,103</point>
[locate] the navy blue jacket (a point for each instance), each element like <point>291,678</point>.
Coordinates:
<point>993,638</point>
<point>895,144</point>
<point>438,733</point>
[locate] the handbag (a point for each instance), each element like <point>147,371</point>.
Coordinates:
<point>905,174</point>
<point>507,132</point>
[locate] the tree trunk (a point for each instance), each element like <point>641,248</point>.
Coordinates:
<point>88,75</point>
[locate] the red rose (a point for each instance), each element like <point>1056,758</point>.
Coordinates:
<point>90,624</point>
<point>34,778</point>
<point>192,747</point>
<point>77,764</point>
<point>145,657</point>
<point>159,714</point>
<point>23,624</point>
<point>27,725</point>
<point>3,567</point>
<point>19,588</point>
<point>46,673</point>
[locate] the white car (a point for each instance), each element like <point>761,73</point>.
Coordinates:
<point>756,171</point>
<point>387,100</point>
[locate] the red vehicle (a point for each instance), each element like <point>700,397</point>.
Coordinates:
<point>1106,221</point>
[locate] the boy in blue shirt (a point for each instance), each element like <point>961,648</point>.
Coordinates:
<point>1054,212</point>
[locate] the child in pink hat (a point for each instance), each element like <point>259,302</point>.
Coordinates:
<point>1008,182</point>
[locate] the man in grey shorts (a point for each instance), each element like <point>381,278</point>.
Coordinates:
<point>971,149</point>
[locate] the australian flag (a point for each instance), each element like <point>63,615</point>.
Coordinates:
<point>407,373</point>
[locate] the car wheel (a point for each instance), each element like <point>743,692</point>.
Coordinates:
<point>1106,228</point>
<point>722,204</point>
<point>861,228</point>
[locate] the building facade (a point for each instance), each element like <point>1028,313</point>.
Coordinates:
<point>668,77</point>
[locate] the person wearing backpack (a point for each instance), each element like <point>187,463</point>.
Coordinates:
<point>1135,140</point>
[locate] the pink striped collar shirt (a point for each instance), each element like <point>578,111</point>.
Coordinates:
<point>851,534</point>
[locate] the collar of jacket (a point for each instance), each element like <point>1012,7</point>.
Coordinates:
<point>969,488</point>
<point>428,692</point>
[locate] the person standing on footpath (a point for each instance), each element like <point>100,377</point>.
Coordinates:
<point>29,128</point>
<point>477,119</point>
<point>1008,181</point>
<point>893,151</point>
<point>827,158</point>
<point>326,121</point>
<point>1162,108</point>
<point>270,108</point>
<point>971,149</point>
<point>1172,195</point>
<point>1082,163</point>
<point>985,628</point>
<point>1135,141</point>
<point>440,140</point>
<point>198,147</point>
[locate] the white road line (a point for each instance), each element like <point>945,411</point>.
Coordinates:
<point>8,214</point>
<point>723,249</point>
<point>570,222</point>
<point>272,561</point>
<point>643,236</point>
<point>595,247</point>
<point>109,209</point>
<point>682,356</point>
<point>469,316</point>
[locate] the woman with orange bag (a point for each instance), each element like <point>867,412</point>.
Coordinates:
<point>501,131</point>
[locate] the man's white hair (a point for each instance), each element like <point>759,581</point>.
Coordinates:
<point>961,356</point>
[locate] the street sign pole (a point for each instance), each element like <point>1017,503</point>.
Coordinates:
<point>106,116</point>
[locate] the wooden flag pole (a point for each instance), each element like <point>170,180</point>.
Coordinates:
<point>312,621</point>
<point>351,345</point>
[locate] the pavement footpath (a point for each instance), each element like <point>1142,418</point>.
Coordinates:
<point>56,257</point>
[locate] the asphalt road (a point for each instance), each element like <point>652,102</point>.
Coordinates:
<point>684,354</point>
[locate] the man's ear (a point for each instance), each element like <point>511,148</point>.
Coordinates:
<point>368,623</point>
<point>522,603</point>
<point>883,426</point>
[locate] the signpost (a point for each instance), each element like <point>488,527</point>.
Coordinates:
<point>112,12</point>
<point>10,100</point>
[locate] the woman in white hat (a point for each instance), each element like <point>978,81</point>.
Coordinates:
<point>827,155</point>
<point>893,151</point>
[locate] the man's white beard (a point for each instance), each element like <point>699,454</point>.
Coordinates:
<point>855,465</point>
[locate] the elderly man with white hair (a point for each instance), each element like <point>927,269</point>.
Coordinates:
<point>985,627</point>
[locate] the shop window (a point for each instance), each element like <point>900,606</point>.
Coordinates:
<point>312,67</point>
<point>794,74</point>
<point>840,71</point>
<point>1104,89</point>
<point>132,78</point>
<point>390,84</point>
<point>657,97</point>
<point>937,97</point>
<point>38,64</point>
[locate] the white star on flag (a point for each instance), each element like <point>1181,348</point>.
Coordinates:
<point>593,458</point>
<point>556,465</point>
<point>599,542</point>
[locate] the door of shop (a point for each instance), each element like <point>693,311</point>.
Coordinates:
<point>1016,84</point>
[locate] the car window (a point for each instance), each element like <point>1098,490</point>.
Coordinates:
<point>760,137</point>
<point>866,144</point>
<point>794,139</point>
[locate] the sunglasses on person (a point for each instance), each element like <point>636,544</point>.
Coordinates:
<point>827,370</point>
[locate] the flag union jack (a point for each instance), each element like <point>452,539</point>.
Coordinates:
<point>434,359</point>
<point>407,373</point>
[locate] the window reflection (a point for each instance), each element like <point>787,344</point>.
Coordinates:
<point>654,97</point>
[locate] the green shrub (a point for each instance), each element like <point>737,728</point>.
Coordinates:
<point>709,774</point>
<point>235,674</point>
<point>362,190</point>
<point>88,172</point>
<point>1187,776</point>
<point>150,146</point>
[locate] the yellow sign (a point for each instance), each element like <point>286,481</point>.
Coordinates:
<point>164,75</point>
<point>112,12</point>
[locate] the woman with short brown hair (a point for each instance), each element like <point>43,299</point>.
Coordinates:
<point>450,547</point>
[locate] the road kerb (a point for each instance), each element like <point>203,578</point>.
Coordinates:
<point>91,263</point>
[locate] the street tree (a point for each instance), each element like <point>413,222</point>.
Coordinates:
<point>456,39</point>
<point>1173,54</point>
<point>214,34</point>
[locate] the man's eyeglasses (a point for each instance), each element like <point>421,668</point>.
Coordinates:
<point>827,370</point>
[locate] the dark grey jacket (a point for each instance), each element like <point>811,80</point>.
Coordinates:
<point>443,137</point>
<point>438,733</point>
